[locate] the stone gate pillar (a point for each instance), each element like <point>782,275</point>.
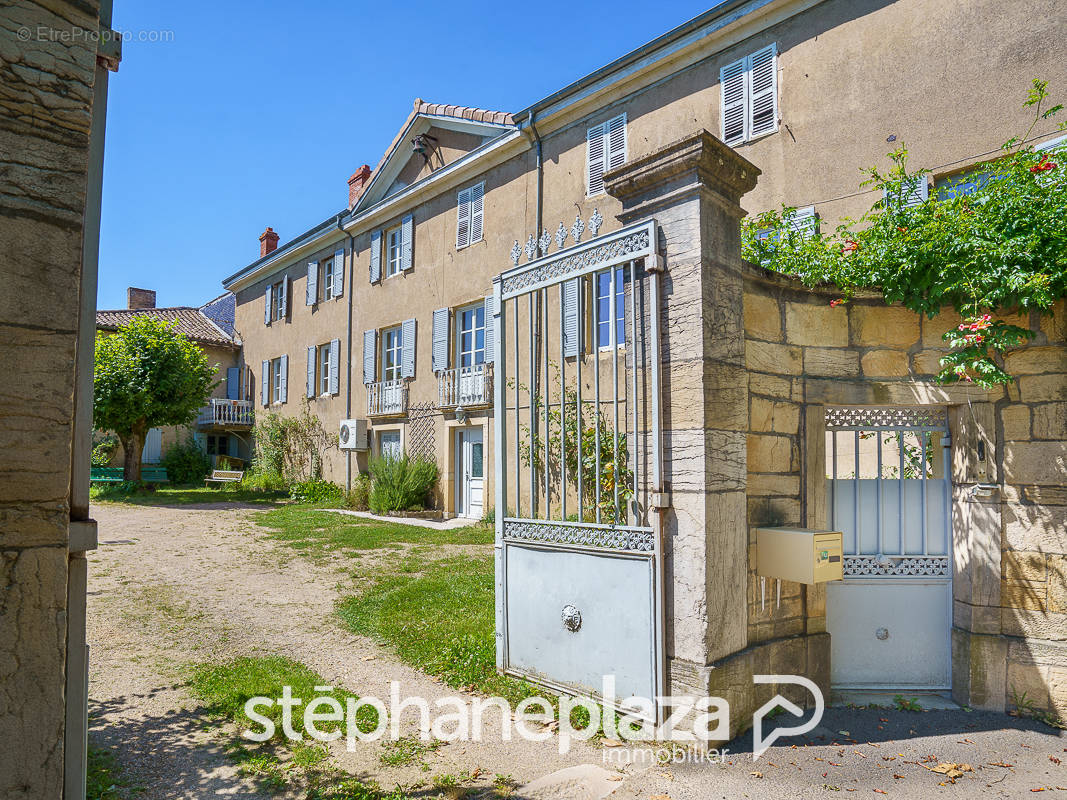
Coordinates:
<point>693,189</point>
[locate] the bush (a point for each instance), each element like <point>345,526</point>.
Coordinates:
<point>186,462</point>
<point>359,498</point>
<point>401,484</point>
<point>104,451</point>
<point>257,480</point>
<point>316,491</point>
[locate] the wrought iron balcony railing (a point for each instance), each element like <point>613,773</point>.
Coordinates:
<point>469,387</point>
<point>387,398</point>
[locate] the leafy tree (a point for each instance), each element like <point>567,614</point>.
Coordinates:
<point>998,249</point>
<point>147,375</point>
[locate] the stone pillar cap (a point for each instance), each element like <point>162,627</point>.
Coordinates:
<point>714,163</point>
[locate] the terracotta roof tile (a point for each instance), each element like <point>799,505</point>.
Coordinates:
<point>190,321</point>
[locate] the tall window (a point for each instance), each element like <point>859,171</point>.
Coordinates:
<point>394,252</point>
<point>610,308</point>
<point>471,336</point>
<point>218,444</point>
<point>392,347</point>
<point>327,279</point>
<point>605,150</point>
<point>277,301</point>
<point>470,209</point>
<point>324,369</point>
<point>750,96</point>
<point>276,379</point>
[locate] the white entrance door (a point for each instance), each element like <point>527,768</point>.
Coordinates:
<point>153,446</point>
<point>470,473</point>
<point>889,491</point>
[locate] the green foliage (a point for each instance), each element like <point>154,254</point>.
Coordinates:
<point>359,498</point>
<point>401,484</point>
<point>904,704</point>
<point>598,437</point>
<point>225,688</point>
<point>147,375</point>
<point>105,778</point>
<point>316,492</point>
<point>185,462</point>
<point>290,449</point>
<point>104,451</point>
<point>999,249</point>
<point>255,480</point>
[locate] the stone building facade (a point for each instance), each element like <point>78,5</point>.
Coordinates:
<point>755,364</point>
<point>55,65</point>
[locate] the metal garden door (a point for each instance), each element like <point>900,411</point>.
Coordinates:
<point>579,593</point>
<point>889,492</point>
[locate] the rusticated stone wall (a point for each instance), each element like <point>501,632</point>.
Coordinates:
<point>46,103</point>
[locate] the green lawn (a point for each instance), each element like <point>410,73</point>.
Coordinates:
<point>416,590</point>
<point>166,495</point>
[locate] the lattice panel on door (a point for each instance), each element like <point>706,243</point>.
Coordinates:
<point>422,419</point>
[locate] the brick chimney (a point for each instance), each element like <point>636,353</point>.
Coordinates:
<point>268,242</point>
<point>357,183</point>
<point>140,298</point>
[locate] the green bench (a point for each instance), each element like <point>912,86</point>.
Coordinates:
<point>114,474</point>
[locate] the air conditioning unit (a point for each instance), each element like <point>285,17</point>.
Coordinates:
<point>353,435</point>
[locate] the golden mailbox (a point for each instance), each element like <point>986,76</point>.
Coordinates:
<point>801,555</point>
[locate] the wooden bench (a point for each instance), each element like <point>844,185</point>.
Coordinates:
<point>114,474</point>
<point>225,476</point>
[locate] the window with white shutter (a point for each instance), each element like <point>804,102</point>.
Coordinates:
<point>804,221</point>
<point>605,150</point>
<point>267,306</point>
<point>750,96</point>
<point>335,366</point>
<point>911,195</point>
<point>327,279</point>
<point>370,351</point>
<point>375,256</point>
<point>338,273</point>
<point>490,329</point>
<point>407,232</point>
<point>440,339</point>
<point>311,371</point>
<point>284,362</point>
<point>469,215</point>
<point>571,327</point>
<point>311,293</point>
<point>325,369</point>
<point>407,353</point>
<point>264,383</point>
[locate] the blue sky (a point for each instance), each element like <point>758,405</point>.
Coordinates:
<point>256,114</point>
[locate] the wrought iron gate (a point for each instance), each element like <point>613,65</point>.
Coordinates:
<point>579,556</point>
<point>889,492</point>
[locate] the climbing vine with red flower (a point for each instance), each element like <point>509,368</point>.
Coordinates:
<point>997,250</point>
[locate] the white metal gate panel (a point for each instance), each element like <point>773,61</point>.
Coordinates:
<point>889,490</point>
<point>577,452</point>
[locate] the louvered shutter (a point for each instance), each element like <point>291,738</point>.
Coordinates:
<point>283,304</point>
<point>264,384</point>
<point>490,329</point>
<point>335,366</point>
<point>763,91</point>
<point>803,221</point>
<point>233,383</point>
<point>375,256</point>
<point>311,371</point>
<point>733,79</point>
<point>285,379</point>
<point>616,142</point>
<point>917,194</point>
<point>594,160</point>
<point>440,339</point>
<point>477,212</point>
<point>570,318</point>
<point>266,307</point>
<point>463,219</point>
<point>407,229</point>
<point>311,295</point>
<point>338,273</point>
<point>370,350</point>
<point>407,349</point>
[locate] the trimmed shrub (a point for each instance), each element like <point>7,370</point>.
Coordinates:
<point>316,491</point>
<point>186,462</point>
<point>401,484</point>
<point>359,498</point>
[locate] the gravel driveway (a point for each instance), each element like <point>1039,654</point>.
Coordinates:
<point>170,586</point>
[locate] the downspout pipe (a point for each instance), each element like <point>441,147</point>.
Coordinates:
<point>348,339</point>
